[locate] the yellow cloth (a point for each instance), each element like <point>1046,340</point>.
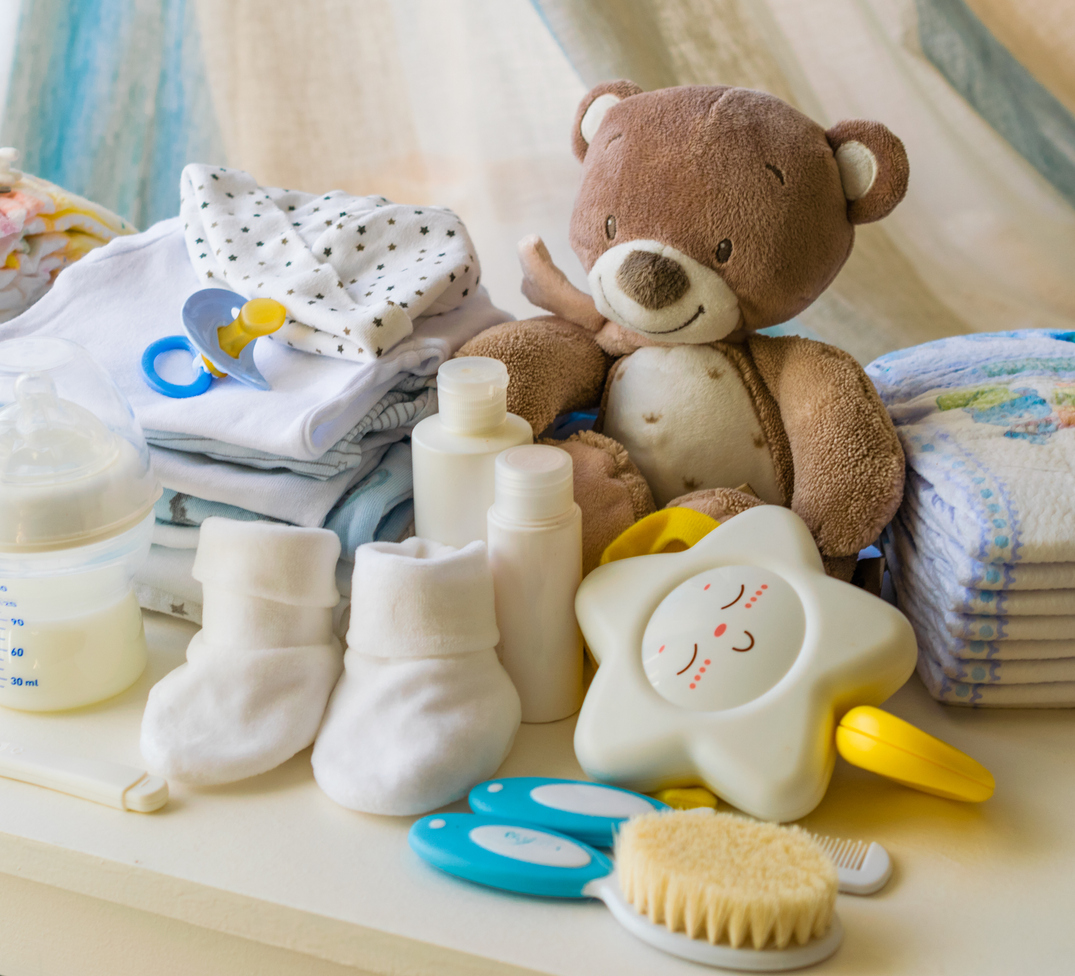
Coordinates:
<point>667,530</point>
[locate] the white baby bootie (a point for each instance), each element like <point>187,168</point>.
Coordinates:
<point>424,709</point>
<point>259,672</point>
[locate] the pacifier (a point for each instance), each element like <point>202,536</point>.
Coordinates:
<point>222,328</point>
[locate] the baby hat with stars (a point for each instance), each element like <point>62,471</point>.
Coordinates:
<point>353,272</point>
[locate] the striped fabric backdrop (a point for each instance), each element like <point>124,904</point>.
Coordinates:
<point>468,103</point>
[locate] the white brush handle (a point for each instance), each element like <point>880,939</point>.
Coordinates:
<point>112,784</point>
<point>720,956</point>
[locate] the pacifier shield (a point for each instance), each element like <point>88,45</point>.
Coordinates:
<point>723,638</point>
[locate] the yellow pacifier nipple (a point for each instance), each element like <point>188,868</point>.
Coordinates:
<point>889,746</point>
<point>258,317</point>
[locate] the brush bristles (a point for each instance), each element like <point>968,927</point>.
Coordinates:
<point>727,879</point>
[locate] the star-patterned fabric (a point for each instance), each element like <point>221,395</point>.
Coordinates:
<point>352,272</point>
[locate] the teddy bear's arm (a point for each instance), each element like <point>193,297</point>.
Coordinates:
<point>848,463</point>
<point>554,366</point>
<point>546,286</point>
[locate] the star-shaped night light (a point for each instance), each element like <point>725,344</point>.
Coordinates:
<point>730,664</point>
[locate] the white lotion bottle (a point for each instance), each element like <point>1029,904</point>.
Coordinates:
<point>535,551</point>
<point>454,451</point>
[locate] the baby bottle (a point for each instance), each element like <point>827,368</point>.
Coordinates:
<point>76,519</point>
<point>454,451</point>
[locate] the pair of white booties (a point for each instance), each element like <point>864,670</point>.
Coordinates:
<point>422,711</point>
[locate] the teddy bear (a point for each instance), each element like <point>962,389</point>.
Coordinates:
<point>704,214</point>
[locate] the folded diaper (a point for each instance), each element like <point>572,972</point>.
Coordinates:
<point>352,272</point>
<point>919,555</point>
<point>424,710</point>
<point>121,297</point>
<point>922,513</point>
<point>1055,694</point>
<point>999,672</point>
<point>43,228</point>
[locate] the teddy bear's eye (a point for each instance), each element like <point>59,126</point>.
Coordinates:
<point>610,227</point>
<point>724,251</point>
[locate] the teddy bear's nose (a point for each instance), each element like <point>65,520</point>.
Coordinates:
<point>652,280</point>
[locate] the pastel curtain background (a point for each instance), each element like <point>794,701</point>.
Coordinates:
<point>468,103</point>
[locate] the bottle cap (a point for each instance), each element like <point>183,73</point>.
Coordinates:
<point>74,467</point>
<point>473,394</point>
<point>533,483</point>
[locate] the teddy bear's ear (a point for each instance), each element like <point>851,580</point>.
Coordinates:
<point>873,168</point>
<point>592,110</point>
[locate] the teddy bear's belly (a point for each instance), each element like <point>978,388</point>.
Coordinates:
<point>688,422</point>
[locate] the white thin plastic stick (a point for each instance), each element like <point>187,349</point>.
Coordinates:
<point>113,784</point>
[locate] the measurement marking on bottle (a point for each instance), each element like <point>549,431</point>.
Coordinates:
<point>16,682</point>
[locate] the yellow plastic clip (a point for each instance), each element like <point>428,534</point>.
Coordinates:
<point>889,746</point>
<point>667,530</point>
<point>687,797</point>
<point>258,317</point>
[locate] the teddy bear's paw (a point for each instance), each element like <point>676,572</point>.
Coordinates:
<point>609,489</point>
<point>718,503</point>
<point>841,567</point>
<point>554,366</point>
<point>546,286</point>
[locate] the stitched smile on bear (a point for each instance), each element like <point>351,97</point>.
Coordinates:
<point>723,638</point>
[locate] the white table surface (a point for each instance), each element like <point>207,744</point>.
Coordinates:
<point>299,884</point>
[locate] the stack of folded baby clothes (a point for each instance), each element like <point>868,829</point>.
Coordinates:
<point>982,550</point>
<point>377,296</point>
<point>43,228</point>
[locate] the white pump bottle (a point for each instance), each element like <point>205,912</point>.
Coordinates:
<point>453,452</point>
<point>535,551</point>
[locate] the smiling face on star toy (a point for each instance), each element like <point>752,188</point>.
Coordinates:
<point>705,650</point>
<point>730,663</point>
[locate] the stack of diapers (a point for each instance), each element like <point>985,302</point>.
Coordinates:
<point>982,550</point>
<point>43,228</point>
<point>423,710</point>
<point>327,445</point>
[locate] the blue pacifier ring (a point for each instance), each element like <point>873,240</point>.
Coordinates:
<point>149,368</point>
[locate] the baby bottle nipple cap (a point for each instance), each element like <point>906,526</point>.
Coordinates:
<point>473,394</point>
<point>74,466</point>
<point>52,438</point>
